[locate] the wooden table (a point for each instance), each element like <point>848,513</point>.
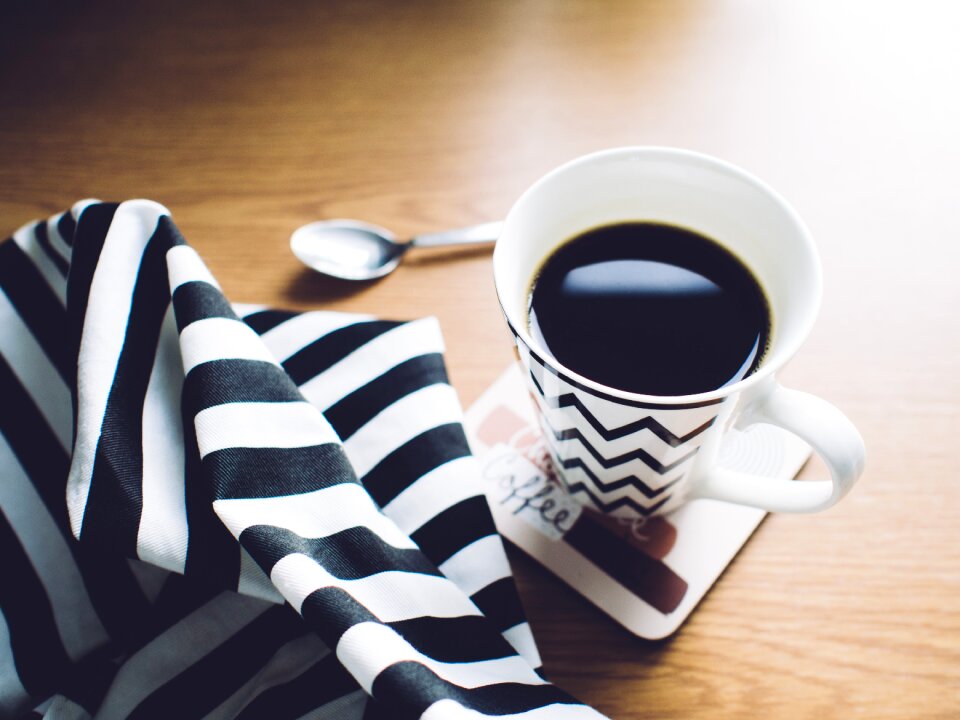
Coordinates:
<point>248,119</point>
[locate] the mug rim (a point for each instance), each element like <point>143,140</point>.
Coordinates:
<point>784,353</point>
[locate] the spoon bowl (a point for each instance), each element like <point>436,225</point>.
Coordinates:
<point>347,249</point>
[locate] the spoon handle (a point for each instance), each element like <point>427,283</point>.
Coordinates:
<point>485,233</point>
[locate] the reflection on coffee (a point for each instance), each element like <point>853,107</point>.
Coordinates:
<point>650,308</point>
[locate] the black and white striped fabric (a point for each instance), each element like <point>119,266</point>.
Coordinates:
<point>234,512</point>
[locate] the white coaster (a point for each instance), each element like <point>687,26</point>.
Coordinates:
<point>647,575</point>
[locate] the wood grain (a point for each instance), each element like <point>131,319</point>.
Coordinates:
<point>248,119</point>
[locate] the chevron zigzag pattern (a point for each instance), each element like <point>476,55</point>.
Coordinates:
<point>569,461</point>
<point>633,481</point>
<point>614,505</point>
<point>647,423</point>
<point>649,460</point>
<point>624,478</point>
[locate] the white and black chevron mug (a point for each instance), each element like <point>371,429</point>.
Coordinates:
<point>634,455</point>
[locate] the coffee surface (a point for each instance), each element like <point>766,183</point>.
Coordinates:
<point>650,308</point>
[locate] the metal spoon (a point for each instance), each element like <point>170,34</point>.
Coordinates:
<point>352,250</point>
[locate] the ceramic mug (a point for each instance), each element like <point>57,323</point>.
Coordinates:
<point>634,455</point>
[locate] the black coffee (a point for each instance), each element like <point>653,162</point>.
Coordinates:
<point>650,308</point>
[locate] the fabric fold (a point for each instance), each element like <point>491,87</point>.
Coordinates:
<point>316,459</point>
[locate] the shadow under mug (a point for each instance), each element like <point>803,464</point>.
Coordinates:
<point>634,455</point>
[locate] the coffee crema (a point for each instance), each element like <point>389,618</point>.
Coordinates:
<point>650,308</point>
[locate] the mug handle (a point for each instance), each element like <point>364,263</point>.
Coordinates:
<point>821,425</point>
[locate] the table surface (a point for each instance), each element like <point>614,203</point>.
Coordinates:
<point>248,119</point>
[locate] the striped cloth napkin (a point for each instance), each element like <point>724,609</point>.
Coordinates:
<point>226,511</point>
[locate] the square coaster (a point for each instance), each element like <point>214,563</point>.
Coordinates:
<point>648,575</point>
